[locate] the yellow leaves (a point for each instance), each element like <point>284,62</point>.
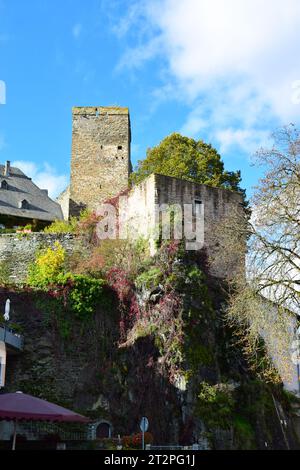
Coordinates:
<point>48,265</point>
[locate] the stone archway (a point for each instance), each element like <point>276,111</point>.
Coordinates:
<point>103,429</point>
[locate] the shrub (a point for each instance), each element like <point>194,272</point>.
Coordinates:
<point>84,294</point>
<point>110,443</point>
<point>26,229</point>
<point>107,254</point>
<point>215,405</point>
<point>135,441</point>
<point>49,264</point>
<point>70,294</point>
<point>73,296</point>
<point>244,433</point>
<point>149,279</point>
<point>7,230</point>
<point>62,226</point>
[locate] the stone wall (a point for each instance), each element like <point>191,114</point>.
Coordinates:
<point>17,251</point>
<point>100,163</point>
<point>64,201</point>
<point>140,208</point>
<point>137,210</point>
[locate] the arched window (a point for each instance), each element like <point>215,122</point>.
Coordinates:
<point>103,430</point>
<point>4,184</point>
<point>24,204</point>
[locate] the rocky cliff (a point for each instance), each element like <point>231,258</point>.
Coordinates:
<point>156,346</point>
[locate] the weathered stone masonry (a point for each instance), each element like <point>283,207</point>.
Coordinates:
<point>100,163</point>
<point>18,251</point>
<point>139,212</point>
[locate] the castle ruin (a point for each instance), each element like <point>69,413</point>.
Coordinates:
<point>100,169</point>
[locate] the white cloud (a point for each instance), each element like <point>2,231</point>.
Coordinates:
<point>134,11</point>
<point>249,140</point>
<point>234,62</point>
<point>138,55</point>
<point>194,124</point>
<point>44,176</point>
<point>77,30</point>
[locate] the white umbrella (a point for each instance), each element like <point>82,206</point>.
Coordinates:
<point>7,310</point>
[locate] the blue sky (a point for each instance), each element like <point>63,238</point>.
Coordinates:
<point>226,71</point>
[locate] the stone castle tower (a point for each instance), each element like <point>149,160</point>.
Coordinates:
<point>100,161</point>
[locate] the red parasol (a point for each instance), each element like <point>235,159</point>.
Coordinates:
<point>19,406</point>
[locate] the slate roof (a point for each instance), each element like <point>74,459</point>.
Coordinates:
<point>21,188</point>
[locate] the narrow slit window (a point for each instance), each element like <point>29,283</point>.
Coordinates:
<point>198,208</point>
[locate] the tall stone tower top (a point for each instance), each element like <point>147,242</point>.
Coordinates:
<point>100,161</point>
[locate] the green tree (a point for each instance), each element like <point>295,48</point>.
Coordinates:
<point>186,158</point>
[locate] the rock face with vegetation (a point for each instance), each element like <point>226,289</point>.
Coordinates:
<point>117,335</point>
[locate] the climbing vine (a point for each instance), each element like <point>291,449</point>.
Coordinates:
<point>67,295</point>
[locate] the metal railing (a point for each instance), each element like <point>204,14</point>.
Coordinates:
<point>40,430</point>
<point>11,338</point>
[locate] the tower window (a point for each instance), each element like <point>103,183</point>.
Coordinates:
<point>24,204</point>
<point>4,184</point>
<point>120,147</point>
<point>198,208</point>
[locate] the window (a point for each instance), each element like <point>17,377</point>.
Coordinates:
<point>4,184</point>
<point>103,430</point>
<point>24,204</point>
<point>198,208</point>
<point>120,147</point>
